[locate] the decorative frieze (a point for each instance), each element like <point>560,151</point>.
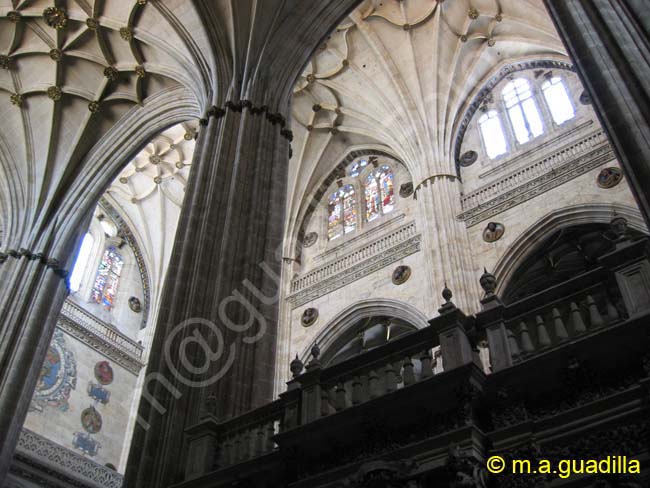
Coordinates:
<point>520,186</point>
<point>37,455</point>
<point>351,267</point>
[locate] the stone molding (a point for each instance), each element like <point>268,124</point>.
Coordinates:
<point>100,337</point>
<point>353,266</point>
<point>543,175</point>
<point>46,459</point>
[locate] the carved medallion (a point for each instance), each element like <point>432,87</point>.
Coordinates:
<point>310,239</point>
<point>91,420</point>
<point>104,372</point>
<point>406,190</point>
<point>493,232</point>
<point>309,317</point>
<point>610,177</point>
<point>401,275</point>
<point>468,158</point>
<point>58,377</point>
<point>135,304</point>
<point>585,99</point>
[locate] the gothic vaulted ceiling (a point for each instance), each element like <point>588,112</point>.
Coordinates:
<point>399,75</point>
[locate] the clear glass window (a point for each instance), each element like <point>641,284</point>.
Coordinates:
<point>558,100</point>
<point>492,133</point>
<point>82,261</point>
<point>522,110</point>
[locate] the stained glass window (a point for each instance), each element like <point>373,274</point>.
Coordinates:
<point>522,110</point>
<point>356,168</point>
<point>558,100</point>
<point>82,261</point>
<point>492,133</point>
<point>108,277</point>
<point>379,193</point>
<point>342,212</point>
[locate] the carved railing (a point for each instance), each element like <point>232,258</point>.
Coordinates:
<point>101,329</point>
<point>377,246</point>
<point>46,457</point>
<point>568,162</point>
<point>329,401</point>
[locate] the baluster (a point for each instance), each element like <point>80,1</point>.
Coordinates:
<point>340,402</point>
<point>324,402</point>
<point>612,312</point>
<point>427,365</point>
<point>357,391</point>
<point>576,319</point>
<point>260,444</point>
<point>237,454</point>
<point>391,378</point>
<point>526,342</point>
<point>543,338</point>
<point>226,452</point>
<point>373,385</point>
<point>270,432</point>
<point>594,314</point>
<point>249,445</point>
<point>514,347</point>
<point>560,330</point>
<point>408,374</point>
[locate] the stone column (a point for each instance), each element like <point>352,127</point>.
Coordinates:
<point>33,291</point>
<point>221,288</point>
<point>446,241</point>
<point>609,41</point>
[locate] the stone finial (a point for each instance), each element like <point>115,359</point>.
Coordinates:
<point>210,405</point>
<point>488,282</point>
<point>297,367</point>
<point>315,354</point>
<point>448,306</point>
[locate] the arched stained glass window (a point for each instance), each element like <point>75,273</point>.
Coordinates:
<point>492,134</point>
<point>558,100</point>
<point>108,277</point>
<point>357,168</point>
<point>342,212</point>
<point>522,110</point>
<point>379,193</point>
<point>82,261</point>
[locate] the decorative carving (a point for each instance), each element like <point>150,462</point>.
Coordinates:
<point>92,23</point>
<point>55,17</point>
<point>140,71</point>
<point>493,232</point>
<point>56,54</point>
<point>17,99</point>
<point>468,158</point>
<point>381,474</point>
<point>309,317</point>
<point>406,190</point>
<point>54,93</point>
<point>135,305</point>
<point>609,177</point>
<point>401,275</point>
<point>488,282</point>
<point>14,16</point>
<point>296,367</point>
<point>104,372</point>
<point>126,33</point>
<point>54,460</point>
<point>58,377</point>
<point>95,107</point>
<point>91,420</point>
<point>464,470</point>
<point>6,62</point>
<point>98,393</point>
<point>585,98</point>
<point>111,73</point>
<point>85,443</point>
<point>310,239</point>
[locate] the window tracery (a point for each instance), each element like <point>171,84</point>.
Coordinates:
<point>342,212</point>
<point>558,100</point>
<point>522,110</point>
<point>379,193</point>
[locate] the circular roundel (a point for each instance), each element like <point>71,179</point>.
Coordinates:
<point>493,232</point>
<point>91,420</point>
<point>57,378</point>
<point>309,317</point>
<point>401,275</point>
<point>610,177</point>
<point>104,372</point>
<point>468,158</point>
<point>585,99</point>
<point>310,239</point>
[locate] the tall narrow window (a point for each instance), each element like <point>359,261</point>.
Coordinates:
<point>342,212</point>
<point>492,133</point>
<point>522,110</point>
<point>379,193</point>
<point>108,277</point>
<point>82,261</point>
<point>558,100</point>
